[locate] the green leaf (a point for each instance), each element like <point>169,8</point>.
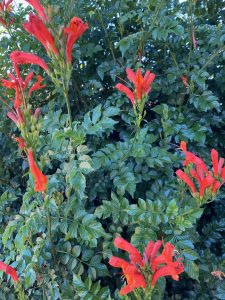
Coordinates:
<point>172,209</point>
<point>191,269</point>
<point>30,276</point>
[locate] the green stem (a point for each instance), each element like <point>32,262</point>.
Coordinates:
<point>50,235</point>
<point>65,92</point>
<point>148,295</point>
<point>212,56</point>
<point>20,292</point>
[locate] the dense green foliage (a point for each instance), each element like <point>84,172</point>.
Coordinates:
<point>105,180</point>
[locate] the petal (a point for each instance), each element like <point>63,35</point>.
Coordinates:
<point>215,158</point>
<point>148,249</point>
<point>183,146</point>
<point>126,290</point>
<point>122,88</point>
<point>155,249</point>
<point>216,186</point>
<point>28,79</point>
<point>148,79</point>
<point>118,262</point>
<point>191,158</point>
<point>185,178</point>
<point>206,182</point>
<point>135,256</point>
<point>222,175</point>
<point>9,271</point>
<point>131,75</point>
<point>220,165</point>
<point>174,269</point>
<point>195,175</point>
<point>39,9</point>
<point>40,179</point>
<point>27,58</point>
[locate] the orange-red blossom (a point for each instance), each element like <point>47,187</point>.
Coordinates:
<point>142,85</point>
<point>206,179</point>
<point>40,180</point>
<point>75,29</point>
<point>22,58</point>
<point>39,9</point>
<point>37,28</point>
<point>9,271</point>
<point>134,271</point>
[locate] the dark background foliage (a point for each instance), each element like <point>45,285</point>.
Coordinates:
<point>109,181</point>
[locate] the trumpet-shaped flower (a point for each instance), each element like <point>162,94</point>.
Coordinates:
<point>40,180</point>
<point>39,9</point>
<point>21,58</point>
<point>37,28</point>
<point>133,277</point>
<point>142,85</point>
<point>75,29</point>
<point>9,271</point>
<point>37,85</point>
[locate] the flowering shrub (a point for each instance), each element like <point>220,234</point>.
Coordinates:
<point>89,157</point>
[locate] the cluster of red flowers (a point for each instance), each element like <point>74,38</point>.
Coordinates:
<point>17,115</point>
<point>37,26</point>
<point>5,7</point>
<point>136,271</point>
<point>142,85</point>
<point>209,181</point>
<point>9,271</point>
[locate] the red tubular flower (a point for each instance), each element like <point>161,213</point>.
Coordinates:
<point>185,178</point>
<point>39,9</point>
<point>206,182</point>
<point>216,185</point>
<point>195,175</point>
<point>13,117</point>
<point>36,86</point>
<point>16,116</point>
<point>142,85</point>
<point>37,28</point>
<point>28,79</point>
<point>40,179</point>
<point>220,165</point>
<point>148,251</point>
<point>2,21</point>
<point>75,29</point>
<point>21,58</point>
<point>166,257</point>
<point>222,175</point>
<point>192,159</point>
<point>173,269</point>
<point>183,146</point>
<point>122,88</point>
<point>215,161</point>
<point>37,112</point>
<point>9,271</point>
<point>133,277</point>
<point>135,256</point>
<point>184,80</point>
<point>155,249</point>
<point>21,142</point>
